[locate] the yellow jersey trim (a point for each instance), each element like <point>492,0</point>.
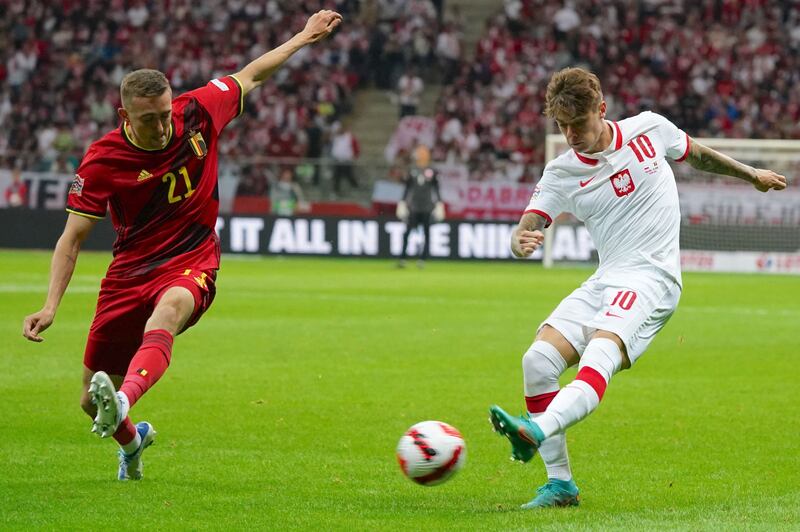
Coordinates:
<point>241,94</point>
<point>85,215</point>
<point>129,137</point>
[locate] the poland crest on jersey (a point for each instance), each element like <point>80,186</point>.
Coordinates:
<point>623,183</point>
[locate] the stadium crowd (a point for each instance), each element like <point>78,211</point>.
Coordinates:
<point>62,61</point>
<point>714,67</point>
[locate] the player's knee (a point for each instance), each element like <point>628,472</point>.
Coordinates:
<point>542,363</point>
<point>604,356</point>
<point>171,314</point>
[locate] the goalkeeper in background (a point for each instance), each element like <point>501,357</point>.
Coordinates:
<point>421,202</point>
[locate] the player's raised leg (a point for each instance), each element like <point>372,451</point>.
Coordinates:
<point>603,357</point>
<point>148,365</point>
<point>110,407</point>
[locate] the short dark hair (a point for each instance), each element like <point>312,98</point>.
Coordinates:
<point>572,92</point>
<point>144,83</point>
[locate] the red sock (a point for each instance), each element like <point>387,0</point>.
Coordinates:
<point>126,432</point>
<point>538,403</point>
<point>148,364</point>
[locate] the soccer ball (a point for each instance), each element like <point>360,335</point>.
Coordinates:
<point>431,452</point>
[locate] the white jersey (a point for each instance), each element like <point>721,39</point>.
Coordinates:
<point>626,195</point>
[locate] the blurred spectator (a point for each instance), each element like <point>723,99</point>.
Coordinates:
<point>286,196</point>
<point>727,69</point>
<point>61,64</point>
<point>399,168</point>
<point>16,194</point>
<point>315,138</point>
<point>344,151</point>
<point>409,90</point>
<point>448,49</point>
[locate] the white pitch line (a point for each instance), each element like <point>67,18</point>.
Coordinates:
<point>42,289</point>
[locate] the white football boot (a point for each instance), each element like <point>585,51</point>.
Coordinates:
<point>109,409</point>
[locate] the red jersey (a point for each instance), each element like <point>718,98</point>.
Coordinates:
<point>164,203</point>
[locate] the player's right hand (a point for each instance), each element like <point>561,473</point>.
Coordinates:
<point>321,24</point>
<point>524,243</point>
<point>36,323</point>
<point>767,179</point>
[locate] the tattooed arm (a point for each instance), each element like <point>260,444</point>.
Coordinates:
<point>708,160</point>
<point>528,236</point>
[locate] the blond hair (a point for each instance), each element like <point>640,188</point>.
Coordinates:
<point>144,83</point>
<point>571,93</point>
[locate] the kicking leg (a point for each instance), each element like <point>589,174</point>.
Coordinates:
<point>148,364</point>
<point>153,357</point>
<point>604,356</point>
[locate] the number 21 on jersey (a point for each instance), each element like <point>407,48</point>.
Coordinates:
<point>173,180</point>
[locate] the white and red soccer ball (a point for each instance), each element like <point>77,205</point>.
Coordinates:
<point>431,452</point>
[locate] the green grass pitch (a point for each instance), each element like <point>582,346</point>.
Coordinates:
<point>283,406</point>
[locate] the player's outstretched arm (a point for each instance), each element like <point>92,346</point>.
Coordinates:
<point>318,26</point>
<point>704,158</point>
<point>528,235</point>
<point>65,256</point>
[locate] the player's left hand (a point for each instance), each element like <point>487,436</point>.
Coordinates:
<point>767,179</point>
<point>321,24</point>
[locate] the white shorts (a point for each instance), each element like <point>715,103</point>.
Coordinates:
<point>634,306</point>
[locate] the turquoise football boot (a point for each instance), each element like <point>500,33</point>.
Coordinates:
<point>554,493</point>
<point>524,435</point>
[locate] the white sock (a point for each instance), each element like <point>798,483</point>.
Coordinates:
<point>553,451</point>
<point>601,359</point>
<point>130,447</point>
<point>124,405</point>
<point>541,367</point>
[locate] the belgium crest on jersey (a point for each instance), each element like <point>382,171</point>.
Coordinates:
<point>198,144</point>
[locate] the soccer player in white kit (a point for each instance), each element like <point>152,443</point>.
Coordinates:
<point>615,178</point>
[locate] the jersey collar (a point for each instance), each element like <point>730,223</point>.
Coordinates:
<point>129,138</point>
<point>616,142</point>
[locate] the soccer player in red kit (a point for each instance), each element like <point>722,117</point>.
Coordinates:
<point>157,174</point>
